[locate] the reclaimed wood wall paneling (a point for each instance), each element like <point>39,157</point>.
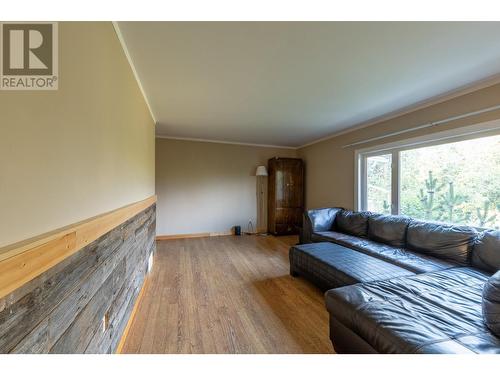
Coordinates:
<point>60,310</point>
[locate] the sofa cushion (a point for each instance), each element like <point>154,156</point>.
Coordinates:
<point>407,259</point>
<point>436,312</point>
<point>388,229</point>
<point>491,303</point>
<point>486,251</point>
<point>441,240</point>
<point>330,265</point>
<point>338,238</point>
<point>322,219</point>
<point>354,223</point>
<point>410,260</point>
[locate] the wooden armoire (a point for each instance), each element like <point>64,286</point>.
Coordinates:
<point>285,200</point>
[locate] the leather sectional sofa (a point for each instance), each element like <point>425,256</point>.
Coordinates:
<point>397,285</point>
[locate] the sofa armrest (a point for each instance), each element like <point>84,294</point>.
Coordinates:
<point>318,220</point>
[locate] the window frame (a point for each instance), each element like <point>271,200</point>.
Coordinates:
<point>479,130</point>
<point>394,178</point>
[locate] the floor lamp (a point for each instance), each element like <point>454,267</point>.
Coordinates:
<point>261,174</point>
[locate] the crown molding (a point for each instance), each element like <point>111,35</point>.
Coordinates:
<point>224,142</point>
<point>127,54</point>
<point>452,94</point>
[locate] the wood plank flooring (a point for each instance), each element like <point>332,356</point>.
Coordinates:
<point>228,295</point>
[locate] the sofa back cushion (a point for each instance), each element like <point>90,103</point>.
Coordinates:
<point>486,251</point>
<point>353,223</point>
<point>491,303</point>
<point>321,219</point>
<point>441,240</point>
<point>388,229</point>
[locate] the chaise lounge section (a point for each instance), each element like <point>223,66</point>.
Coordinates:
<point>398,285</point>
<point>330,265</point>
<point>436,312</point>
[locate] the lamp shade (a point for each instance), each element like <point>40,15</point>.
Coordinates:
<point>261,171</point>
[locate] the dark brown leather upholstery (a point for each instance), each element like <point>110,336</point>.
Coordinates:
<point>486,252</point>
<point>388,229</point>
<point>441,241</point>
<point>318,220</point>
<point>407,259</point>
<point>330,266</point>
<point>353,223</point>
<point>440,310</point>
<point>436,312</point>
<point>347,341</point>
<point>338,238</point>
<point>491,303</point>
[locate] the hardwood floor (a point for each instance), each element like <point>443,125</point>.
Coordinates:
<point>228,295</point>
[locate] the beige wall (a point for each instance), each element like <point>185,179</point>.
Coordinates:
<point>330,168</point>
<point>207,187</point>
<point>82,150</point>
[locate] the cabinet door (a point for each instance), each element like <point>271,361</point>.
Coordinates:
<point>280,197</point>
<point>288,220</point>
<point>289,215</point>
<point>272,194</point>
<point>293,183</point>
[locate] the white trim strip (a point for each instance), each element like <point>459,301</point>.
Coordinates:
<point>446,136</point>
<point>424,126</point>
<point>224,142</point>
<point>127,54</point>
<point>464,90</point>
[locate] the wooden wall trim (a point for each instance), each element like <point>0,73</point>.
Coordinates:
<point>22,262</point>
<point>121,344</point>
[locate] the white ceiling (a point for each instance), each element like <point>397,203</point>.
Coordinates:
<point>290,83</point>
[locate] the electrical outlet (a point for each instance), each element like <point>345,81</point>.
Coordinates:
<point>105,322</point>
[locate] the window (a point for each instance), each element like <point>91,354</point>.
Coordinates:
<point>378,183</point>
<point>454,180</point>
